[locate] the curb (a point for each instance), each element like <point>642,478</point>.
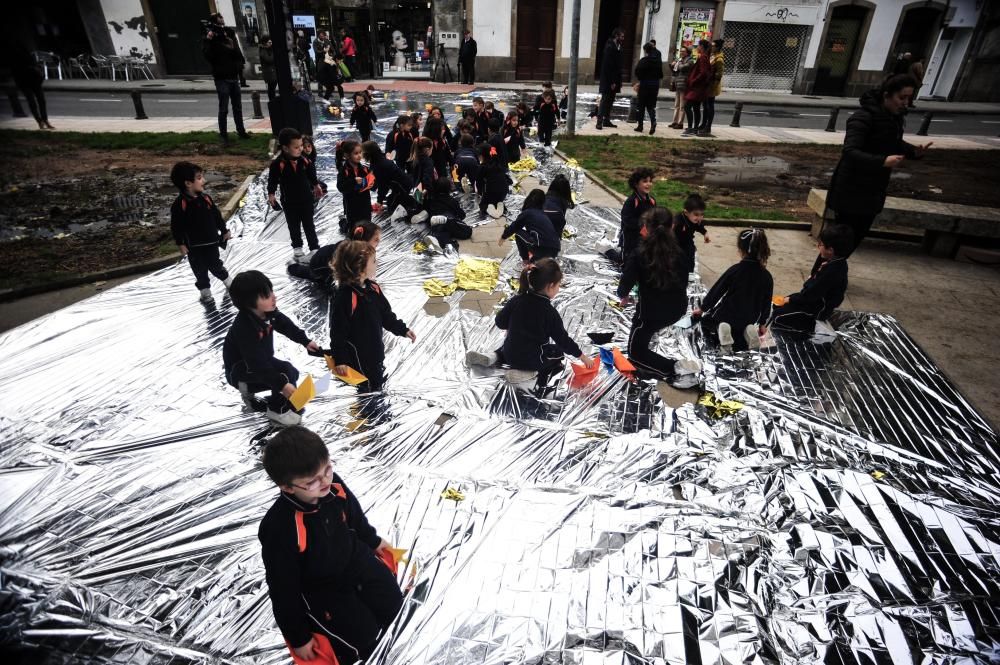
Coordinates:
<point>122,271</point>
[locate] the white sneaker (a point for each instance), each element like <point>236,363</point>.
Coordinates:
<point>206,295</point>
<point>752,336</point>
<point>685,381</point>
<point>521,378</point>
<point>298,253</point>
<point>500,209</point>
<point>823,332</point>
<point>466,184</point>
<point>438,220</point>
<point>686,366</point>
<point>397,214</point>
<point>481,359</point>
<point>495,211</point>
<point>432,243</point>
<point>228,282</point>
<point>286,418</point>
<point>725,334</point>
<point>421,216</point>
<point>308,257</point>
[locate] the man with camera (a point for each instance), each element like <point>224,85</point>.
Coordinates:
<point>227,61</point>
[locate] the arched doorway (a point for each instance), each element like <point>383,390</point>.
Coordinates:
<point>918,31</point>
<point>840,49</point>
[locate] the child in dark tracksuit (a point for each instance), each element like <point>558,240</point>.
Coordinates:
<point>320,270</point>
<point>248,351</point>
<point>400,141</point>
<point>531,321</point>
<point>354,182</point>
<point>740,301</point>
<point>548,117</point>
<point>824,290</point>
<point>299,189</point>
<point>392,185</point>
<point>558,200</point>
<point>327,569</point>
<point>421,164</point>
<point>362,116</point>
<point>657,267</point>
<point>641,182</point>
<point>467,163</point>
<point>533,232</point>
<point>358,314</point>
<point>494,183</point>
<point>447,219</point>
<point>197,226</point>
<point>689,221</point>
<point>513,138</point>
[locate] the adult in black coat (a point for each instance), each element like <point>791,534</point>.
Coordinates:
<point>226,60</point>
<point>648,72</point>
<point>467,58</point>
<point>611,76</point>
<point>873,147</point>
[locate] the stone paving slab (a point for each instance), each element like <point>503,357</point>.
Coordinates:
<point>91,125</point>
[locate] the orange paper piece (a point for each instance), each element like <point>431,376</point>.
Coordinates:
<point>778,301</point>
<point>352,377</point>
<point>581,375</point>
<point>305,392</point>
<point>390,556</point>
<point>323,650</point>
<point>622,363</point>
<point>369,182</point>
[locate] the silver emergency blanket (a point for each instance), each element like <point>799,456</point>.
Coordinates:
<point>847,513</point>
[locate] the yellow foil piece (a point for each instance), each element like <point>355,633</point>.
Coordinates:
<point>452,494</point>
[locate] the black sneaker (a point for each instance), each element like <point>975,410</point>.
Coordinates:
<point>245,135</point>
<point>609,124</point>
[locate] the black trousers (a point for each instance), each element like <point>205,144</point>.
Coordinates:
<point>646,99</point>
<point>710,327</point>
<point>545,133</point>
<point>469,71</point>
<point>205,259</point>
<point>551,362</point>
<point>299,217</point>
<point>793,320</point>
<point>352,65</point>
<point>240,373</point>
<point>709,115</point>
<point>354,618</point>
<point>693,112</point>
<point>271,87</point>
<point>860,223</point>
<point>399,197</point>
<point>36,101</point>
<point>641,355</point>
<point>229,94</point>
<point>607,101</point>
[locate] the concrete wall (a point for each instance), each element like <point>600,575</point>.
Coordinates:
<point>127,28</point>
<point>96,27</point>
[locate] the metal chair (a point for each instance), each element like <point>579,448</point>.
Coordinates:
<point>138,66</point>
<point>81,64</point>
<point>48,60</point>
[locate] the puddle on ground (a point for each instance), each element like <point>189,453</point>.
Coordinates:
<point>743,170</point>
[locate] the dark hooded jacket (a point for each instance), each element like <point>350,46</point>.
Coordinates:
<point>860,180</point>
<point>611,67</point>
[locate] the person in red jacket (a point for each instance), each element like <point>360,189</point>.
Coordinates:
<point>699,83</point>
<point>349,50</point>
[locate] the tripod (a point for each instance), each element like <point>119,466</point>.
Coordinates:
<point>442,59</point>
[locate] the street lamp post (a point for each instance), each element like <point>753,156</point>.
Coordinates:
<point>574,69</point>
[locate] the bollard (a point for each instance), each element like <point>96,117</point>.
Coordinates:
<point>831,124</point>
<point>15,104</point>
<point>140,113</point>
<point>633,109</point>
<point>737,112</point>
<point>258,113</point>
<point>926,124</point>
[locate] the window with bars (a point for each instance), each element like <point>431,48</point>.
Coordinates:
<point>763,56</point>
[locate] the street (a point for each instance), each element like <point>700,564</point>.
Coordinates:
<point>101,104</point>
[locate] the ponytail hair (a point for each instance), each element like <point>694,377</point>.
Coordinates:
<point>364,231</point>
<point>372,152</point>
<point>753,243</point>
<point>345,148</point>
<point>659,254</point>
<point>350,260</point>
<point>420,144</point>
<point>560,187</point>
<point>539,275</point>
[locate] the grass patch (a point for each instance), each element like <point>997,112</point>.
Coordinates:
<point>612,159</point>
<point>22,144</point>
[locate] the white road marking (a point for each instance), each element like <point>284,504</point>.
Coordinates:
<point>99,100</point>
<point>177,101</point>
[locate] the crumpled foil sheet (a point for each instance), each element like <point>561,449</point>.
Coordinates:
<point>847,514</point>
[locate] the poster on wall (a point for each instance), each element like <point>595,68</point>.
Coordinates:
<point>694,25</point>
<point>249,22</point>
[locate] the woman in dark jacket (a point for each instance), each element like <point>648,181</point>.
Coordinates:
<point>648,72</point>
<point>873,146</point>
<point>268,71</point>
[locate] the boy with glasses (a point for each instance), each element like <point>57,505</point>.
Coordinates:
<point>329,587</point>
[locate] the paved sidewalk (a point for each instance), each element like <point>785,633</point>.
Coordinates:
<point>788,135</point>
<point>748,97</point>
<point>88,124</point>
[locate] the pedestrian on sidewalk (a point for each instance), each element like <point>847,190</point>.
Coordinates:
<point>349,50</point>
<point>648,72</point>
<point>226,59</point>
<point>467,58</point>
<point>611,77</point>
<point>698,84</point>
<point>28,78</point>
<point>681,67</point>
<point>718,63</point>
<point>267,69</point>
<point>916,71</point>
<point>873,147</point>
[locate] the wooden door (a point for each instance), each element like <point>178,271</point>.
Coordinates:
<point>535,54</point>
<point>622,14</point>
<point>180,35</point>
